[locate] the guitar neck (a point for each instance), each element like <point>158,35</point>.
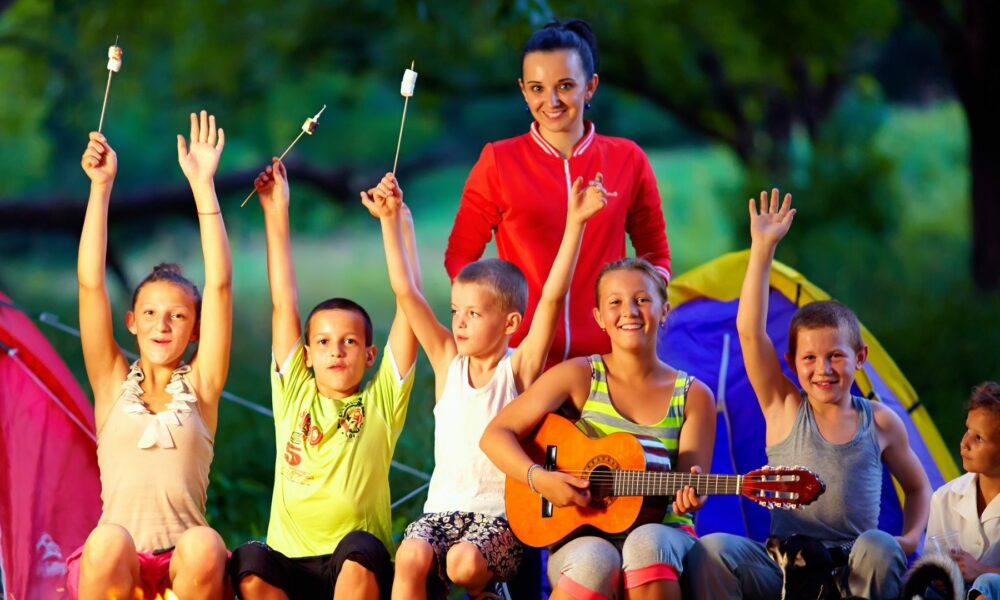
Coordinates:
<point>651,483</point>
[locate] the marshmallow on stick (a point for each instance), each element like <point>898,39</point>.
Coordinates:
<point>406,90</point>
<point>114,65</point>
<point>308,126</point>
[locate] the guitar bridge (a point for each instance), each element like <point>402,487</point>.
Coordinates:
<point>549,465</point>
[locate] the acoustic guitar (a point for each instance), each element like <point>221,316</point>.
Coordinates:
<point>630,481</point>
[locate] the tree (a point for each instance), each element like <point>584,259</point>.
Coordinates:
<point>969,37</point>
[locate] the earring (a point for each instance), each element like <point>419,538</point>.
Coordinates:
<point>526,109</point>
<point>587,106</point>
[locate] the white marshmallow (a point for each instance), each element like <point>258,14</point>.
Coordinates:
<point>409,82</point>
<point>114,58</point>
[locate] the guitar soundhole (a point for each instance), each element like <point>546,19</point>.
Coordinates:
<point>601,482</point>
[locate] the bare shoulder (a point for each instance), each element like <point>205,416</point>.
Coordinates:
<point>889,426</point>
<point>699,395</point>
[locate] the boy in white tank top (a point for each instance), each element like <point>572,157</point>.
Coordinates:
<point>463,537</point>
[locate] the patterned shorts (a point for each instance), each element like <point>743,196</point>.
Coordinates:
<point>490,535</point>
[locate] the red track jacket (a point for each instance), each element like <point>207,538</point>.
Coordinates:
<point>519,189</point>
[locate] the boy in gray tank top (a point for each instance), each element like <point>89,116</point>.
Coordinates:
<point>820,425</point>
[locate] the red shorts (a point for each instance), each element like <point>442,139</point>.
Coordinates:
<point>154,572</point>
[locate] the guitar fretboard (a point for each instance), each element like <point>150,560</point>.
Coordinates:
<point>651,483</point>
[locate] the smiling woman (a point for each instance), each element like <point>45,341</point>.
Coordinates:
<point>519,188</point>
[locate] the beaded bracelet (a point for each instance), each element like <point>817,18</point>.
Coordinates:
<point>530,484</point>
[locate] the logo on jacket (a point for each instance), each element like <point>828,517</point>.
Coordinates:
<point>352,417</point>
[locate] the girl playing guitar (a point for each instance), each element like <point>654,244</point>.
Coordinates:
<point>631,390</point>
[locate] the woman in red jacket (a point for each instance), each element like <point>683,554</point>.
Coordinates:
<point>519,188</point>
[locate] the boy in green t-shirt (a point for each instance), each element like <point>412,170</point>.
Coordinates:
<point>330,523</point>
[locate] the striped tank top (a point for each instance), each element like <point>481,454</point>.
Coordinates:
<point>599,418</point>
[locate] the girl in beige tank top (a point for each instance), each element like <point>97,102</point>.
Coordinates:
<point>156,418</point>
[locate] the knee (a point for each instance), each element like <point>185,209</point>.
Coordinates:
<point>106,547</point>
<point>253,586</point>
<point>653,544</point>
<point>247,560</point>
<point>877,547</point>
<point>602,561</point>
<point>201,553</point>
<point>354,574</point>
<point>708,550</point>
<point>466,564</point>
<point>414,557</point>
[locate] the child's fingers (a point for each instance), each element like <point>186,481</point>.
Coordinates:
<point>182,150</point>
<point>753,208</point>
<point>96,146</point>
<point>93,155</point>
<point>279,168</point>
<point>211,139</point>
<point>786,203</point>
<point>787,219</point>
<point>774,200</point>
<point>577,185</point>
<point>96,136</point>
<point>203,126</point>
<point>194,128</point>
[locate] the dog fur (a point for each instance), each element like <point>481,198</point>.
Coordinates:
<point>928,570</point>
<point>810,570</point>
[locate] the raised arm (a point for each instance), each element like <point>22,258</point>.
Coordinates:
<point>905,467</point>
<point>528,360</point>
<point>568,381</point>
<point>775,392</point>
<point>106,366</point>
<point>286,329</point>
<point>401,337</point>
<point>385,202</point>
<point>199,160</point>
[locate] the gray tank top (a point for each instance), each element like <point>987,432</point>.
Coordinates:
<point>852,473</point>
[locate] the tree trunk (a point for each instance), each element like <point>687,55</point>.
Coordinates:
<point>984,160</point>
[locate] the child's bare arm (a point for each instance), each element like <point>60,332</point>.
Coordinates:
<point>568,381</point>
<point>697,440</point>
<point>905,467</point>
<point>199,161</point>
<point>529,358</point>
<point>384,201</point>
<point>106,365</point>
<point>767,227</point>
<point>286,329</point>
<point>401,337</point>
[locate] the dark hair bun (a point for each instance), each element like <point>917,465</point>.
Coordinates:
<point>569,34</point>
<point>164,268</point>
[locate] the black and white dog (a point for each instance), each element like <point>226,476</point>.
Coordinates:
<point>810,570</point>
<point>933,576</point>
<point>813,571</point>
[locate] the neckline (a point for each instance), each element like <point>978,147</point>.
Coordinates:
<point>157,430</point>
<point>611,401</point>
<point>579,148</point>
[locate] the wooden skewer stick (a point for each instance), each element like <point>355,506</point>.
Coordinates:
<point>113,59</point>
<point>308,127</point>
<point>399,142</point>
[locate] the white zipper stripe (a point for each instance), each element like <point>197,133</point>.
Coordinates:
<point>547,147</point>
<point>569,190</point>
<point>586,142</point>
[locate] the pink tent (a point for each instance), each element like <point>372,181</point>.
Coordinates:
<point>49,483</point>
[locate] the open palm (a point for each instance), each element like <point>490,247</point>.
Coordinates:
<point>200,159</point>
<point>771,222</point>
